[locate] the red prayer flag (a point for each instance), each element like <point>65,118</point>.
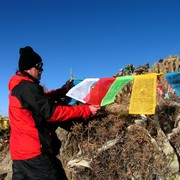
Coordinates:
<point>99,91</point>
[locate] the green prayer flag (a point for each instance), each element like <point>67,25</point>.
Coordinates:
<point>117,85</point>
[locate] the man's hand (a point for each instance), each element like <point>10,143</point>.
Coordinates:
<point>68,85</point>
<point>94,108</point>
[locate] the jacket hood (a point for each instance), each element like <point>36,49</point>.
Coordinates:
<point>17,79</point>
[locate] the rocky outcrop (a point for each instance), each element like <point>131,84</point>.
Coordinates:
<point>169,64</point>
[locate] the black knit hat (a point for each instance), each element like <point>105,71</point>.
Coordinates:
<point>28,58</point>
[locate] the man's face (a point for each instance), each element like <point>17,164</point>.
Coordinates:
<point>36,73</point>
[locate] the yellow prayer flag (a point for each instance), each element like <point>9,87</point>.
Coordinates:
<point>143,97</point>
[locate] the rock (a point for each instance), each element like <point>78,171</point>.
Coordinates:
<point>169,152</point>
<point>6,167</point>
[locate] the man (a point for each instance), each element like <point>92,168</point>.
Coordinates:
<point>31,111</point>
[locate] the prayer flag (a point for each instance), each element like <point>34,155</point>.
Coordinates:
<point>80,91</point>
<point>143,96</point>
<point>70,100</point>
<point>105,90</point>
<point>98,91</point>
<point>173,79</point>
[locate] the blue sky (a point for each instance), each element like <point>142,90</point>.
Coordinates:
<point>94,38</point>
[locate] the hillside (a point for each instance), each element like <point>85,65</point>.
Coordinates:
<point>116,145</point>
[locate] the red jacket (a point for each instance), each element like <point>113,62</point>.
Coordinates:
<point>30,113</point>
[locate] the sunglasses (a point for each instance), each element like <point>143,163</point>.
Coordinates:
<point>39,66</point>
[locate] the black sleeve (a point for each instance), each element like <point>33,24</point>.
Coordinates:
<point>32,97</point>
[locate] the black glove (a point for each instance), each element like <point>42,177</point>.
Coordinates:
<point>68,85</point>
